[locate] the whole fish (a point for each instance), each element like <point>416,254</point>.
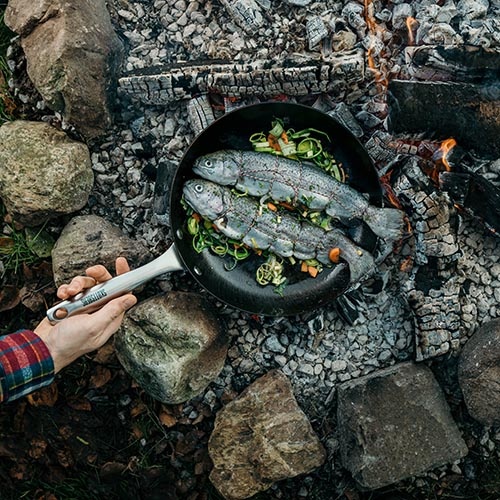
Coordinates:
<point>298,183</point>
<point>244,219</point>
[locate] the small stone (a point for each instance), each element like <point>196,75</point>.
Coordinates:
<point>339,365</point>
<point>272,343</point>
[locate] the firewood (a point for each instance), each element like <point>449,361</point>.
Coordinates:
<point>469,113</point>
<point>306,76</point>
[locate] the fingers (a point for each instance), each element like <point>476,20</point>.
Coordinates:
<point>99,273</point>
<point>121,265</point>
<point>76,285</point>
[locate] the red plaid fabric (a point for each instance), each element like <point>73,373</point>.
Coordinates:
<point>25,365</point>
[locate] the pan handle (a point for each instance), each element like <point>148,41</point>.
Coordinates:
<point>102,293</point>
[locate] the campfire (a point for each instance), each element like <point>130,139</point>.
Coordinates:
<point>416,83</point>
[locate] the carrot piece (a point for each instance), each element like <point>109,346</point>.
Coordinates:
<point>334,255</point>
<point>313,271</point>
<point>286,205</point>
<point>273,142</point>
<point>196,216</point>
<point>303,267</point>
<point>284,137</point>
<point>272,206</point>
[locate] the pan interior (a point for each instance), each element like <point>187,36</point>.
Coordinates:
<point>238,287</point>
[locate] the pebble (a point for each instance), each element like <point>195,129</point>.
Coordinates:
<point>338,365</point>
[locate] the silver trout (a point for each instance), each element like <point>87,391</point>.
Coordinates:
<point>244,219</point>
<point>298,183</point>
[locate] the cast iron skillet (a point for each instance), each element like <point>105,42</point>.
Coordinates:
<point>238,287</point>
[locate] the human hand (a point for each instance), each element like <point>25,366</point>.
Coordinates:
<point>82,333</point>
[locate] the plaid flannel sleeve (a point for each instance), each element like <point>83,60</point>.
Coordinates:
<point>25,365</point>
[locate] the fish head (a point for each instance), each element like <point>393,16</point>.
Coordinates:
<point>221,167</point>
<point>206,198</point>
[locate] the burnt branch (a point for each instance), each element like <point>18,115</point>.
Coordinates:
<point>464,63</point>
<point>258,78</point>
<point>467,112</point>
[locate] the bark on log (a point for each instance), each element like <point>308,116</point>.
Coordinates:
<point>465,63</point>
<point>258,78</point>
<point>470,113</point>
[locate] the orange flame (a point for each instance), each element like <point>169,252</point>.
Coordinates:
<point>376,32</point>
<point>445,148</point>
<point>411,22</point>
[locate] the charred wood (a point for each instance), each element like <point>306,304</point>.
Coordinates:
<point>470,113</point>
<point>432,290</point>
<point>200,113</point>
<point>433,216</point>
<point>434,301</point>
<point>246,13</point>
<point>264,79</point>
<point>464,63</point>
<point>475,194</point>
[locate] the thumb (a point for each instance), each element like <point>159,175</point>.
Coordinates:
<point>114,309</point>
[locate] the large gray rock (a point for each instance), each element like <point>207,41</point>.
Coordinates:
<point>262,437</point>
<point>43,173</point>
<point>479,373</point>
<point>172,345</point>
<point>72,55</point>
<point>395,423</point>
<point>88,240</point>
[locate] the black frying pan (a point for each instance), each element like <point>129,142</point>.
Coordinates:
<point>238,287</point>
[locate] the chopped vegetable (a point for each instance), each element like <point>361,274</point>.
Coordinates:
<point>297,145</point>
<point>334,255</point>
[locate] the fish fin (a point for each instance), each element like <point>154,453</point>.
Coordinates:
<point>387,223</point>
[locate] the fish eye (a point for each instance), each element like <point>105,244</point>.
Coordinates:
<point>208,163</point>
<point>198,188</point>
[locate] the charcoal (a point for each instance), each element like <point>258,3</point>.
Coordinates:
<point>200,113</point>
<point>465,63</point>
<point>260,78</point>
<point>246,13</point>
<point>443,109</point>
<point>343,114</point>
<point>432,289</point>
<point>316,31</point>
<point>432,214</point>
<point>475,194</point>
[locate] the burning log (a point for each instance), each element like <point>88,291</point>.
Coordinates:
<point>468,112</point>
<point>432,213</point>
<point>476,195</point>
<point>432,290</point>
<point>257,78</point>
<point>465,63</point>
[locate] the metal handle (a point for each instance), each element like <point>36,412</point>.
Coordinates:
<point>103,292</point>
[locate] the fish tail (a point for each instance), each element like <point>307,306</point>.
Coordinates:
<point>361,263</point>
<point>387,223</point>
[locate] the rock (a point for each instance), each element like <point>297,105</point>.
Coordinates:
<point>87,240</point>
<point>72,55</point>
<point>394,424</point>
<point>173,345</point>
<point>43,173</point>
<point>479,373</point>
<point>262,437</point>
